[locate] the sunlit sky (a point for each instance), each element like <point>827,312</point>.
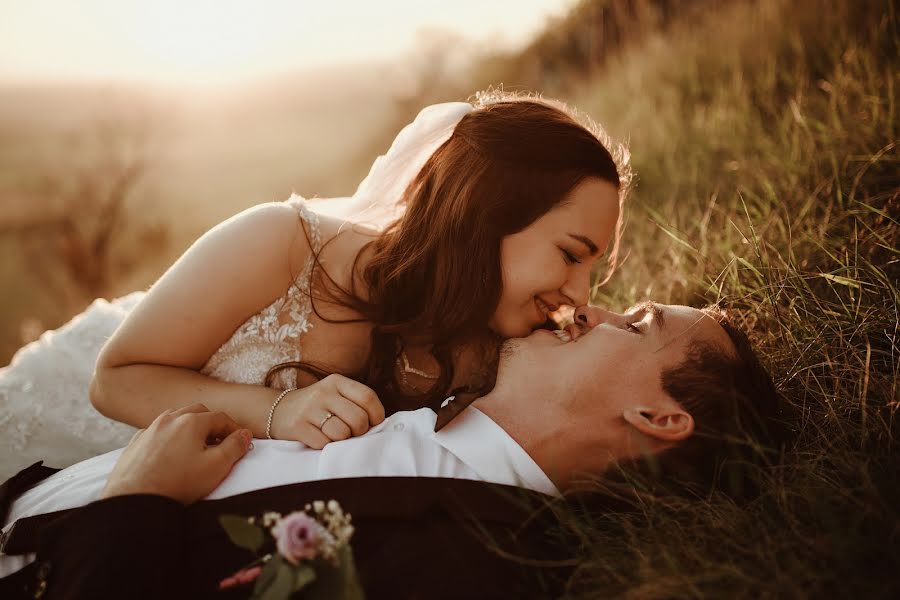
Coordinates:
<point>227,40</point>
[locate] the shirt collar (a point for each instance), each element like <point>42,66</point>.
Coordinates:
<point>487,449</point>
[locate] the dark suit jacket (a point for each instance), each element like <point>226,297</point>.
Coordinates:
<point>415,538</point>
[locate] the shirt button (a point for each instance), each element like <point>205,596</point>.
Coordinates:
<point>43,570</point>
<point>399,426</point>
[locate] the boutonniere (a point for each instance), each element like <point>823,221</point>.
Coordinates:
<point>305,550</point>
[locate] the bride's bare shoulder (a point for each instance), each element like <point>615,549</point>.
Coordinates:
<point>342,242</point>
<point>293,227</point>
<point>340,235</point>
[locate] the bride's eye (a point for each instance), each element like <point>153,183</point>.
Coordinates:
<point>633,327</point>
<point>570,258</point>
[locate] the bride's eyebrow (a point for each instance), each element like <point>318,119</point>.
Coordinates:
<point>588,242</point>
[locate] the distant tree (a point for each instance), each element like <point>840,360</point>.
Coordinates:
<point>83,195</point>
<point>435,71</point>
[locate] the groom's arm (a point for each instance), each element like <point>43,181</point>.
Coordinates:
<point>130,544</point>
<point>121,547</point>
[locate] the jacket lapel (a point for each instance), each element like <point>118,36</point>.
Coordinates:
<point>16,485</point>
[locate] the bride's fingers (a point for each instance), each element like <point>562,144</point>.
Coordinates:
<point>354,416</point>
<point>363,396</point>
<point>335,429</point>
<point>310,435</point>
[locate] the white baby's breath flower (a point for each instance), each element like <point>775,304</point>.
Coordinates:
<point>270,518</point>
<point>318,506</point>
<point>328,546</point>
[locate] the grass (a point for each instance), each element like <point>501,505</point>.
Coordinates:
<point>766,144</point>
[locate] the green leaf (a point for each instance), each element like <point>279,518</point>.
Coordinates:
<point>337,582</point>
<point>303,576</point>
<point>265,579</point>
<point>278,583</point>
<point>242,533</point>
<point>352,588</point>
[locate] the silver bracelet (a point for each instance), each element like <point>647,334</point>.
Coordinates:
<point>272,410</point>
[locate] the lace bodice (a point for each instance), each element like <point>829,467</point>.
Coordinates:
<point>272,335</point>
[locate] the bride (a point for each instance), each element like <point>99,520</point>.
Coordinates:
<point>482,220</point>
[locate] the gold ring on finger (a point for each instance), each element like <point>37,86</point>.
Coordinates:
<point>328,415</point>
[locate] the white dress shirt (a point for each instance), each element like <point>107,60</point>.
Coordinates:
<point>472,446</point>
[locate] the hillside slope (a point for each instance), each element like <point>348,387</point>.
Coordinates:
<point>764,136</point>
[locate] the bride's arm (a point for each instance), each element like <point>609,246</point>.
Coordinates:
<point>152,361</point>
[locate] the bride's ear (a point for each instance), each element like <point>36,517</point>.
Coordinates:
<point>666,424</point>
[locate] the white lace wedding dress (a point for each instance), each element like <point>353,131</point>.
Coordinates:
<point>45,412</point>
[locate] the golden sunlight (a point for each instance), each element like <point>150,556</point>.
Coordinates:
<point>228,40</point>
<point>182,38</point>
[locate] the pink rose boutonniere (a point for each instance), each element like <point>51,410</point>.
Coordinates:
<point>296,537</point>
<point>311,553</point>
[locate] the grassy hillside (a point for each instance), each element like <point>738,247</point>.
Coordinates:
<point>765,140</point>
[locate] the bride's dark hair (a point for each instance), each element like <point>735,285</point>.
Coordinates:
<point>435,273</point>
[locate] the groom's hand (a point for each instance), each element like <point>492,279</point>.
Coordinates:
<point>178,455</point>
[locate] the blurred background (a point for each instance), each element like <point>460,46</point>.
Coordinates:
<point>127,128</point>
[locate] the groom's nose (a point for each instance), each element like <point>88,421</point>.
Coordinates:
<point>591,316</point>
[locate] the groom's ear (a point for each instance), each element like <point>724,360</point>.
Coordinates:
<point>670,424</point>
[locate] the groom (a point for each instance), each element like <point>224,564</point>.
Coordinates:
<point>612,389</point>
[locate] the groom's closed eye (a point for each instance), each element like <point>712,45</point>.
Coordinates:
<point>649,307</point>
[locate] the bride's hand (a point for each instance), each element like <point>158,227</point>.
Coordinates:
<point>303,414</point>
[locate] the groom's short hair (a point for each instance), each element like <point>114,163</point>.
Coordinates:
<point>741,422</point>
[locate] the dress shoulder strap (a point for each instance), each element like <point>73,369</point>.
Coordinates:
<point>311,220</point>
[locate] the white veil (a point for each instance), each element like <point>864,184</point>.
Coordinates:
<point>376,202</point>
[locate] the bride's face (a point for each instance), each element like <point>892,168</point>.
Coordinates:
<point>548,264</point>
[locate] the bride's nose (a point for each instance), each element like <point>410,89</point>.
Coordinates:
<point>591,316</point>
<point>577,287</point>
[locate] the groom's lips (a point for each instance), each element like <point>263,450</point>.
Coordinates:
<point>570,333</point>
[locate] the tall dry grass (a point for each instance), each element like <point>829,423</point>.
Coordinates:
<point>765,140</point>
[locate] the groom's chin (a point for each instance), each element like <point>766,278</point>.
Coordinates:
<point>508,349</point>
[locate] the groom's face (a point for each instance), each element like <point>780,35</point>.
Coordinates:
<point>612,355</point>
